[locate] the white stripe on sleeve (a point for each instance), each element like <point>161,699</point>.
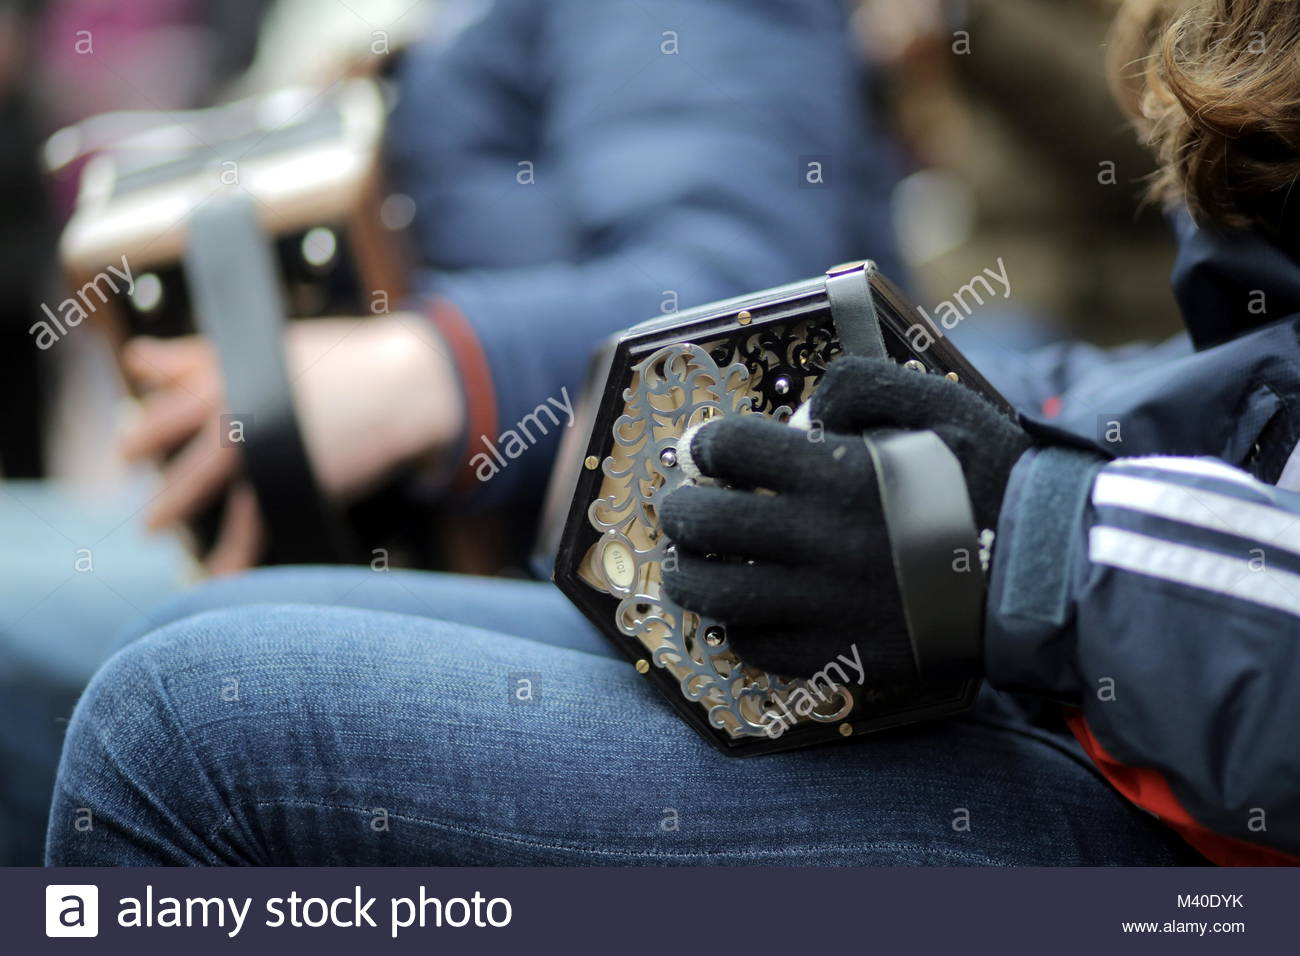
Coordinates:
<point>1265,524</point>
<point>1195,568</point>
<point>1201,467</point>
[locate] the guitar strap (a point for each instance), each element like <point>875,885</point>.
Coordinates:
<point>236,298</point>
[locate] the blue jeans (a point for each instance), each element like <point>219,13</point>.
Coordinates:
<point>353,717</point>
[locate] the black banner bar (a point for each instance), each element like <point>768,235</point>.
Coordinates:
<point>764,911</point>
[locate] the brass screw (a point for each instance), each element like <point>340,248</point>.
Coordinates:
<point>592,462</point>
<point>846,729</point>
<point>745,317</point>
<point>642,666</point>
<point>953,377</point>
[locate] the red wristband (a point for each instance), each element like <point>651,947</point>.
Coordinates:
<point>476,384</point>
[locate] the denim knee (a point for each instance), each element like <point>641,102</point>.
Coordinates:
<point>130,767</point>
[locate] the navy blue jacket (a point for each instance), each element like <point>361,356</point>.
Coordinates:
<point>580,166</point>
<point>1159,595</point>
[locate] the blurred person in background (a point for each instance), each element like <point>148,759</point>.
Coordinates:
<point>574,168</point>
<point>560,188</point>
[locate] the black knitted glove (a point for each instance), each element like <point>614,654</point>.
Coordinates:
<point>800,576</point>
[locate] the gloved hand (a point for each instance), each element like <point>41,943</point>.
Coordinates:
<point>800,576</point>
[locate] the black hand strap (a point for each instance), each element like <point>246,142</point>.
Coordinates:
<point>935,547</point>
<point>236,297</point>
<point>853,310</point>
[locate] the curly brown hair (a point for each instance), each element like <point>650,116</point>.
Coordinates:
<point>1214,88</point>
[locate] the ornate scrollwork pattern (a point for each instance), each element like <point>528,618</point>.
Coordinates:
<point>786,361</point>
<point>763,371</point>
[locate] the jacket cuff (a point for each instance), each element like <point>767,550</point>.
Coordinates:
<point>1039,562</point>
<point>475,380</point>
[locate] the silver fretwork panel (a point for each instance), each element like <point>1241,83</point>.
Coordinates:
<point>766,371</point>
